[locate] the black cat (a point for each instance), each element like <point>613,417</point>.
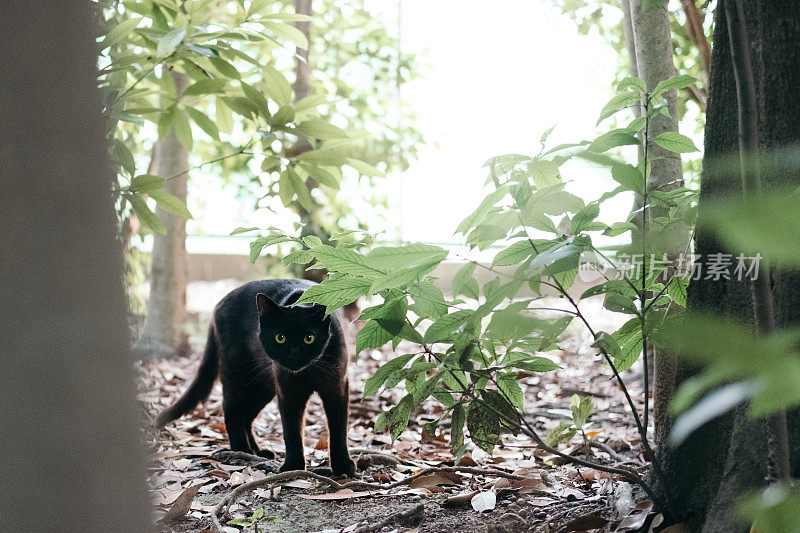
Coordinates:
<point>261,347</point>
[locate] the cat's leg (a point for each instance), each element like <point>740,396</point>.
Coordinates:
<point>336,400</point>
<point>292,405</point>
<point>260,399</point>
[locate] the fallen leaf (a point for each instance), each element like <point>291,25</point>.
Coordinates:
<point>219,427</point>
<point>466,461</point>
<point>585,523</point>
<point>484,501</point>
<point>541,502</point>
<point>181,506</point>
<point>322,443</point>
<point>461,499</point>
<point>182,464</point>
<point>434,480</point>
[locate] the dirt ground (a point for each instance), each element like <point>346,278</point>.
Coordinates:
<point>551,497</point>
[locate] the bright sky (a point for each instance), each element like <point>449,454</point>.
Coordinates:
<point>499,74</point>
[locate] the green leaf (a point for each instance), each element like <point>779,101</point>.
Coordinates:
<point>675,142</point>
<point>464,283</point>
<point>483,425</point>
<point>619,102</point>
<point>675,82</point>
<point>618,228</point>
<point>225,68</point>
<point>677,289</point>
<point>613,139</point>
<point>288,32</point>
<point>634,82</point>
<point>147,217</point>
<point>533,363</point>
<point>320,129</point>
<point>384,372</point>
<point>514,254</point>
<point>346,261</point>
<point>396,418</point>
<point>205,123</point>
<point>169,42</point>
<point>446,325</point>
<point>145,183</point>
<point>171,204</point>
<point>395,258</point>
<point>582,409</point>
<point>298,185</point>
<point>372,335</point>
<point>336,293</point>
<point>560,433</point>
<point>241,229</point>
<point>119,32</point>
<point>257,245</point>
<point>365,168</point>
<point>205,86</point>
<point>620,303</point>
<point>277,86</point>
<point>183,131</point>
<point>507,383</point>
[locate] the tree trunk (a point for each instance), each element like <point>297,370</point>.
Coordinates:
<point>653,47</point>
<point>71,455</point>
<point>302,88</point>
<point>726,458</point>
<point>163,334</point>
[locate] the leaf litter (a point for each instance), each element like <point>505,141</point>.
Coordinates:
<point>186,481</point>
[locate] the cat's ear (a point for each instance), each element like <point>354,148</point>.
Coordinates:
<point>266,305</point>
<point>318,311</point>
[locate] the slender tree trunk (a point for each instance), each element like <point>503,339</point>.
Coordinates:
<point>163,334</point>
<point>653,45</point>
<point>727,457</point>
<point>71,455</point>
<point>302,88</point>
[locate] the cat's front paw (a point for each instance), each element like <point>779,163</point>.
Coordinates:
<point>292,465</point>
<point>266,454</point>
<point>344,467</point>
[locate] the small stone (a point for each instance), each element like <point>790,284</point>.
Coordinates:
<point>522,503</point>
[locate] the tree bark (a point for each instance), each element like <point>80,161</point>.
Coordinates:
<point>727,457</point>
<point>71,454</point>
<point>653,47</point>
<point>163,334</point>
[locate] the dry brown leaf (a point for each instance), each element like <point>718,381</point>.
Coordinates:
<point>460,499</point>
<point>322,443</point>
<point>181,506</point>
<point>467,461</point>
<point>434,480</point>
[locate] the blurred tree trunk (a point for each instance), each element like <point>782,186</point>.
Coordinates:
<point>302,88</point>
<point>163,334</point>
<point>726,458</point>
<point>71,450</point>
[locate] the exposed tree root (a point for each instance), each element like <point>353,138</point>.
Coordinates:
<point>282,477</point>
<point>415,513</point>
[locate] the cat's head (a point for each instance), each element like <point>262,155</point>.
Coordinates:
<point>293,336</point>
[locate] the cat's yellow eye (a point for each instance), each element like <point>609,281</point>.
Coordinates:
<point>280,338</point>
<point>309,339</point>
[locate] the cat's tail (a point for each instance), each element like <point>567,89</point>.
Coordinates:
<point>200,387</point>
